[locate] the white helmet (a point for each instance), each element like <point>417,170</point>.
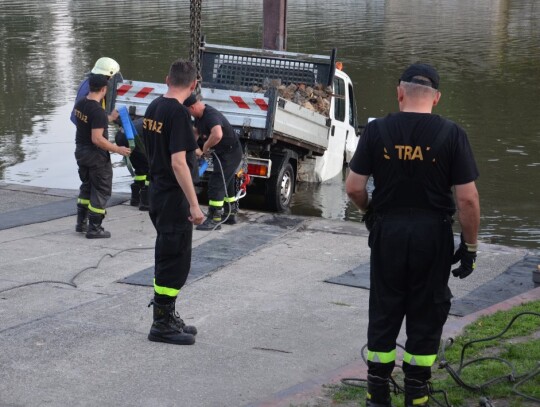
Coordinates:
<point>106,66</point>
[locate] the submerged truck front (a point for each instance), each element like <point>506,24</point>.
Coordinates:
<point>293,111</point>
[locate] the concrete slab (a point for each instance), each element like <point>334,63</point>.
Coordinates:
<point>70,334</point>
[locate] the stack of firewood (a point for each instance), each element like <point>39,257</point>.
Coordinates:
<point>316,98</point>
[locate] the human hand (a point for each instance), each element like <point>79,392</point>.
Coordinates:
<point>466,255</point>
<point>114,115</point>
<point>198,153</point>
<point>197,216</point>
<point>124,151</point>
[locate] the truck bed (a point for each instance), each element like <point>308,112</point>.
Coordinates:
<point>253,115</point>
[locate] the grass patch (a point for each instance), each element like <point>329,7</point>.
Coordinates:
<point>519,346</point>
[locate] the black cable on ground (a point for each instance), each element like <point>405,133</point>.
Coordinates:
<point>512,377</point>
<point>456,374</point>
<point>71,281</point>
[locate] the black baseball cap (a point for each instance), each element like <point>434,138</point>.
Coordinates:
<point>190,101</point>
<point>97,81</point>
<point>426,71</point>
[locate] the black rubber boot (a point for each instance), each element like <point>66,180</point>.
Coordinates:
<point>95,230</point>
<point>231,210</point>
<point>166,327</point>
<point>213,218</point>
<point>416,393</point>
<point>82,219</point>
<point>135,194</point>
<point>144,204</point>
<point>378,392</point>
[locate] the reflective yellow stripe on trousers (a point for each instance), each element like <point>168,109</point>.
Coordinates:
<point>169,292</point>
<point>381,357</point>
<point>419,360</point>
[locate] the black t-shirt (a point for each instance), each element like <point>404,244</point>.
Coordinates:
<point>414,181</point>
<point>167,130</point>
<point>211,118</point>
<point>89,115</point>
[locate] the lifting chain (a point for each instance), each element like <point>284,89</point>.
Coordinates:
<point>195,33</point>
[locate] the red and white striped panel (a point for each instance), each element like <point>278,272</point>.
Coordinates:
<point>126,90</point>
<point>250,103</point>
<point>147,90</point>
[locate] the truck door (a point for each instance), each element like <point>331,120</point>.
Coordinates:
<point>331,163</point>
<point>352,134</point>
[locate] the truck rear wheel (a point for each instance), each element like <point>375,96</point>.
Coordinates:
<point>280,188</point>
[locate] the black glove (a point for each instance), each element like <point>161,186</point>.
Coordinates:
<point>466,254</point>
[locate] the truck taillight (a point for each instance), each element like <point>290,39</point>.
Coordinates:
<point>259,170</point>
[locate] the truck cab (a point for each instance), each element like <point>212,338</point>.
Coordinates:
<point>343,133</point>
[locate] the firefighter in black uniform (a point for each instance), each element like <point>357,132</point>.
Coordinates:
<point>213,131</point>
<point>170,147</point>
<point>110,68</point>
<point>415,158</point>
<point>92,153</point>
<point>139,186</point>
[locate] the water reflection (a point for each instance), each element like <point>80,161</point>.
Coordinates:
<point>486,52</point>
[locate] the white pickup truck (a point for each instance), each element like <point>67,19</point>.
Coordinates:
<point>283,141</point>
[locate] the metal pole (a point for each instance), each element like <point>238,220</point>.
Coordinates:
<point>275,24</point>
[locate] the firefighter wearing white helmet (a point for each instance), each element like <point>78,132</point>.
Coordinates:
<point>110,69</point>
<point>106,66</point>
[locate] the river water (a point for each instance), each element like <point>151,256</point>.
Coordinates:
<point>487,53</point>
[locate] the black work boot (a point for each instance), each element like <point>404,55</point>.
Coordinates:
<point>95,230</point>
<point>166,328</point>
<point>213,218</point>
<point>135,194</point>
<point>416,393</point>
<point>189,329</point>
<point>82,219</point>
<point>378,392</point>
<point>232,212</point>
<point>144,204</point>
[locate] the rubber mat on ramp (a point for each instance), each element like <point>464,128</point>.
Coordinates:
<point>357,277</point>
<point>225,249</point>
<point>515,280</point>
<point>48,211</point>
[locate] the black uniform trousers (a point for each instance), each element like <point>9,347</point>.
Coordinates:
<point>226,168</point>
<point>95,173</point>
<point>411,253</point>
<point>169,212</point>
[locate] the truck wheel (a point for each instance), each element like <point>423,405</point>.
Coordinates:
<point>280,189</point>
